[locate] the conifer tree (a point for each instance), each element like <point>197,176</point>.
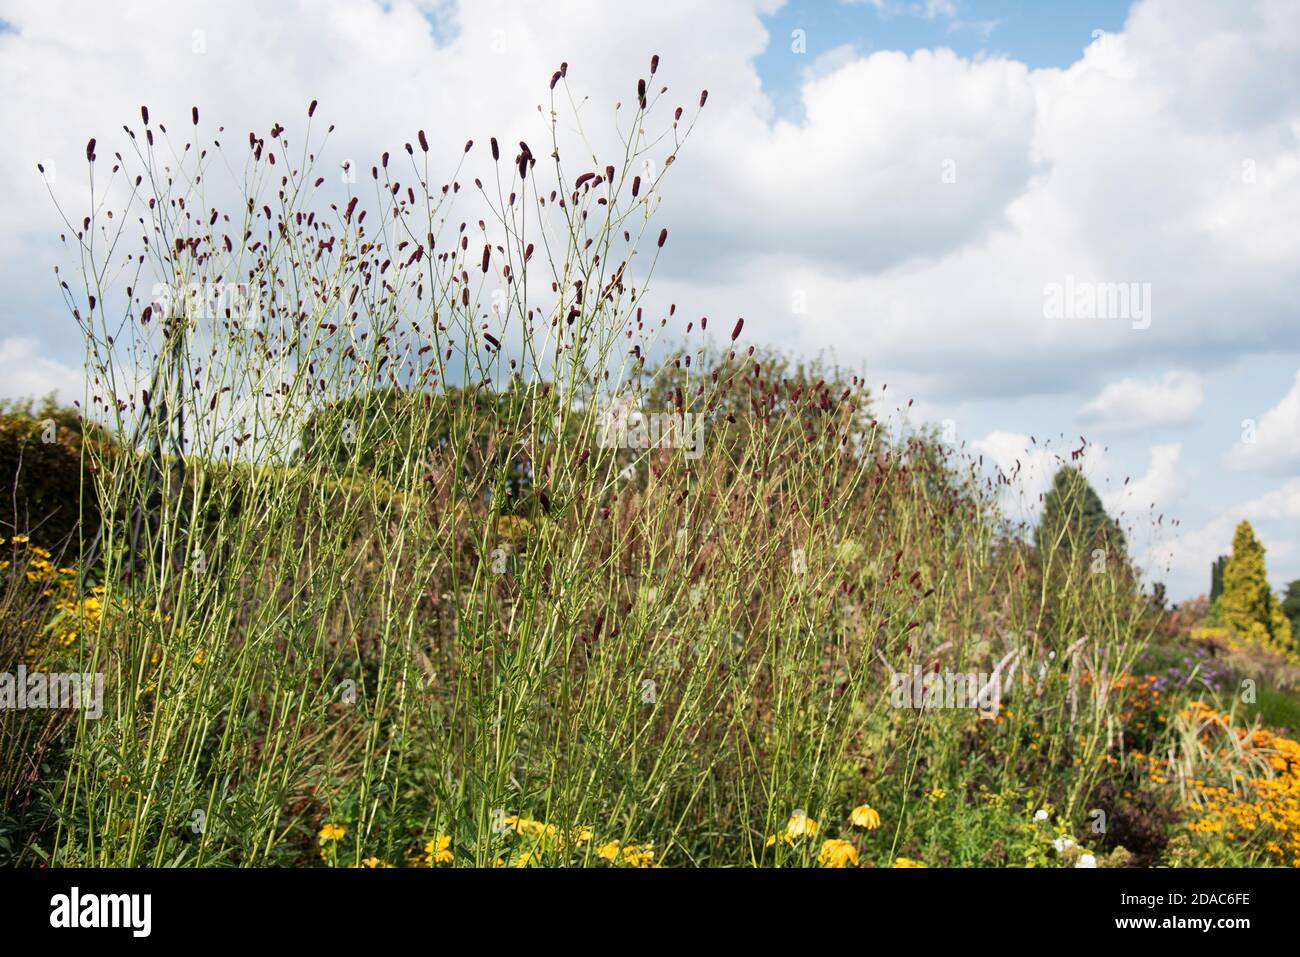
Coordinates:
<point>1216,577</point>
<point>1291,606</point>
<point>1075,519</point>
<point>1248,605</point>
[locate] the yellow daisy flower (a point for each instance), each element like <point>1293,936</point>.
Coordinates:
<point>332,832</point>
<point>865,816</point>
<point>800,825</point>
<point>836,853</point>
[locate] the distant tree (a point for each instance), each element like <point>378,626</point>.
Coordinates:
<point>1074,517</point>
<point>1216,577</point>
<point>1248,605</point>
<point>1291,606</point>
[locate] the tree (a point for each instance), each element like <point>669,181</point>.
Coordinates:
<point>1248,605</point>
<point>1216,577</point>
<point>1291,606</point>
<point>1074,518</point>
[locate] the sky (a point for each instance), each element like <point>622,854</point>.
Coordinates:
<point>914,188</point>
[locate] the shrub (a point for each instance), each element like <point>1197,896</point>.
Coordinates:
<point>46,487</point>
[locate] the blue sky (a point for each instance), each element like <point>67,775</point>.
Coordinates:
<point>1039,33</point>
<point>1154,143</point>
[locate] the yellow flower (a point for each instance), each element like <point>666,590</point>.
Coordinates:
<point>581,835</point>
<point>634,855</point>
<point>937,794</point>
<point>201,656</point>
<point>438,850</point>
<point>373,861</point>
<point>332,832</point>
<point>907,862</point>
<point>800,825</point>
<point>638,856</point>
<point>19,539</point>
<point>835,853</point>
<point>522,825</point>
<point>865,816</point>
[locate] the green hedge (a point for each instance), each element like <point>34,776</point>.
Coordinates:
<point>42,473</point>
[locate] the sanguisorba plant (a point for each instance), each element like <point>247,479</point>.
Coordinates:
<point>425,539</point>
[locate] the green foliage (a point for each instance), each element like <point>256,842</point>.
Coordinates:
<point>45,487</point>
<point>1216,577</point>
<point>1248,605</point>
<point>1074,517</point>
<point>371,431</point>
<point>1275,708</point>
<point>1291,606</point>
<point>396,434</point>
<point>1214,615</point>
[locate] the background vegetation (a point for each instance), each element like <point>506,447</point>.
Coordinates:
<point>368,589</point>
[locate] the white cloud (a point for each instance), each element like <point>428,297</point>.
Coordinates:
<point>1156,490</point>
<point>1271,444</point>
<point>1136,405</point>
<point>1028,468</point>
<point>858,185</point>
<point>1280,504</point>
<point>1106,171</point>
<point>25,373</point>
